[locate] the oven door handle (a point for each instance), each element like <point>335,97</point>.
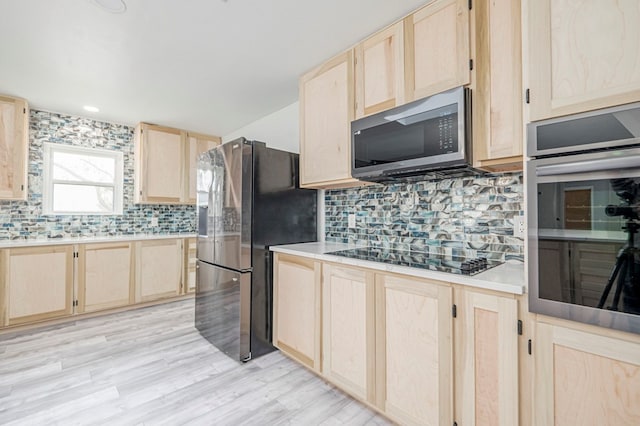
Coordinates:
<point>628,162</point>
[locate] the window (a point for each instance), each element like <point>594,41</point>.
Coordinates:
<point>81,180</point>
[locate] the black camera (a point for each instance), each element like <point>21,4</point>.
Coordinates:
<point>628,190</point>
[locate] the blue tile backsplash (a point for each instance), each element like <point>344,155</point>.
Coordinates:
<point>471,216</point>
<point>24,219</point>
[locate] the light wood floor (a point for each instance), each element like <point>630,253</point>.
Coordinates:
<point>150,366</point>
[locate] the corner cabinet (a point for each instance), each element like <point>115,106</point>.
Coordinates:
<point>348,333</point>
<point>498,95</point>
<point>165,163</point>
<point>37,283</point>
<point>326,111</point>
<point>437,51</point>
<point>379,71</point>
<point>296,309</point>
<point>583,55</point>
<point>584,378</point>
<point>14,148</point>
<point>414,351</point>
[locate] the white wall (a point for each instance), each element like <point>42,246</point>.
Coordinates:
<point>278,130</point>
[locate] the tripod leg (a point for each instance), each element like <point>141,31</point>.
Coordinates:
<point>626,271</point>
<point>612,278</point>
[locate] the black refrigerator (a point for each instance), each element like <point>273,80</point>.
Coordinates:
<point>248,199</point>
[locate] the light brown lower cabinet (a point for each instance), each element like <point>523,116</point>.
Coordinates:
<point>190,258</point>
<point>105,276</point>
<point>486,358</point>
<point>51,282</point>
<point>296,309</point>
<point>348,330</point>
<point>37,283</point>
<point>414,350</point>
<point>158,269</point>
<point>582,378</point>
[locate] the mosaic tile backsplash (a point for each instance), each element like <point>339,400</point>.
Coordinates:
<point>24,219</point>
<point>471,216</point>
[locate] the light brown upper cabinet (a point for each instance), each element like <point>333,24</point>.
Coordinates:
<point>14,148</point>
<point>583,55</point>
<point>326,111</point>
<point>166,163</point>
<point>436,48</point>
<point>498,95</point>
<point>196,144</point>
<point>379,71</point>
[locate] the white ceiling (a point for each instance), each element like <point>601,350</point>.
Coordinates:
<point>211,66</point>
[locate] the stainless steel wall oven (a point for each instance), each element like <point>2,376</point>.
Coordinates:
<point>583,194</point>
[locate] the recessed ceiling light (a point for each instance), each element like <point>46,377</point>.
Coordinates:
<point>113,6</point>
<point>91,108</point>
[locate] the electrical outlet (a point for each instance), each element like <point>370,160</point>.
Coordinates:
<point>154,221</point>
<point>518,227</point>
<point>352,220</point>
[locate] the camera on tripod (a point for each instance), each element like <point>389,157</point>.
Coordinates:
<point>627,267</point>
<point>628,190</point>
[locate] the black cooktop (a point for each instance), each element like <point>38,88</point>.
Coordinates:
<point>434,262</point>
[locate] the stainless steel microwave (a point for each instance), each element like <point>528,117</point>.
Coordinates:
<point>429,137</point>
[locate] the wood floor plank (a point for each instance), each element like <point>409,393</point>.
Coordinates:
<point>151,367</point>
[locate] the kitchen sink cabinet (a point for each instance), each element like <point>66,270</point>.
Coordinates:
<point>14,148</point>
<point>379,71</point>
<point>326,111</point>
<point>486,358</point>
<point>437,48</point>
<point>583,55</point>
<point>37,283</point>
<point>348,334</point>
<point>158,269</point>
<point>497,99</point>
<point>583,376</point>
<point>106,276</point>
<point>414,350</point>
<point>296,309</point>
<point>165,164</point>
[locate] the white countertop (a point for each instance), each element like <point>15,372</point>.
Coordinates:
<point>582,235</point>
<point>88,240</point>
<point>508,277</point>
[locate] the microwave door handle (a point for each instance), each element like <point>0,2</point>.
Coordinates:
<point>589,166</point>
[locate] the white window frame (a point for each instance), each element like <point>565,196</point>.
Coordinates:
<point>48,181</point>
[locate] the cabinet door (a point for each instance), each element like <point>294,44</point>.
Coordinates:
<point>326,111</point>
<point>379,71</point>
<point>585,379</point>
<point>437,48</point>
<point>38,283</point>
<point>158,269</point>
<point>498,98</point>
<point>105,276</point>
<point>196,144</point>
<point>584,55</point>
<point>348,341</point>
<point>159,164</point>
<point>414,350</point>
<point>486,363</point>
<point>14,148</point>
<point>296,309</point>
<point>190,258</point>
